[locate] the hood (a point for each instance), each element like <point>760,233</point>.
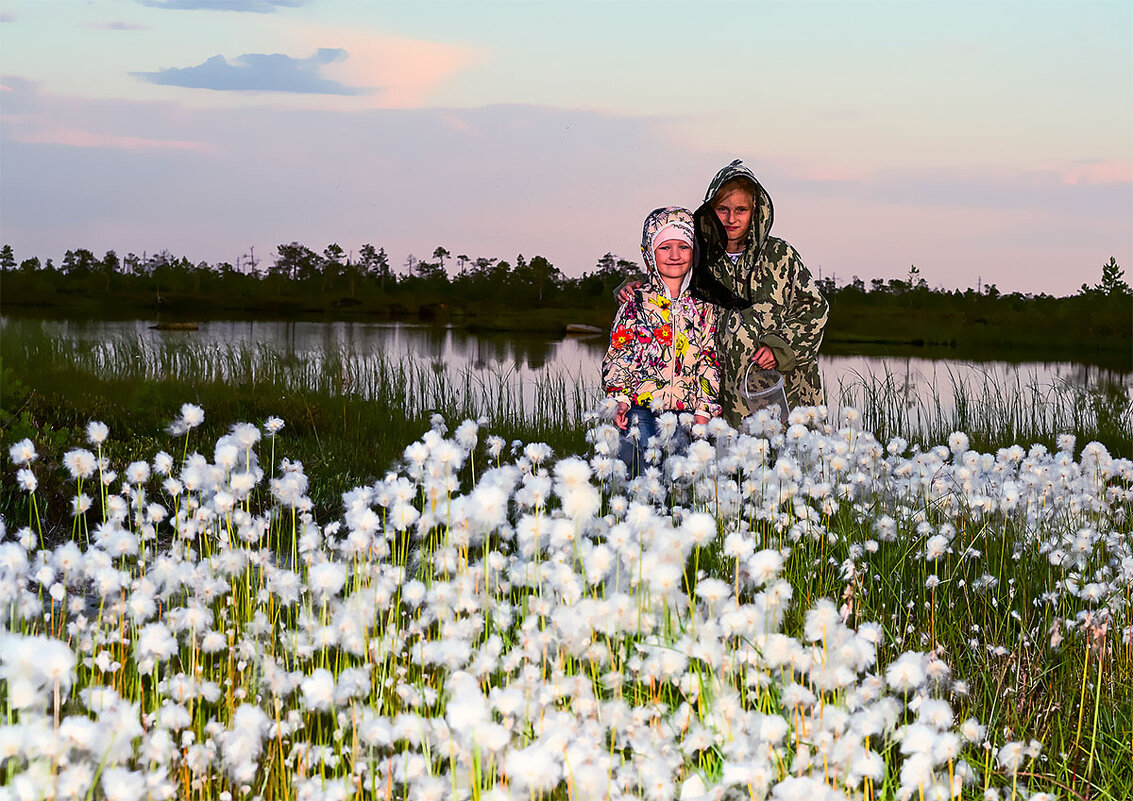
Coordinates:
<point>658,219</point>
<point>763,214</point>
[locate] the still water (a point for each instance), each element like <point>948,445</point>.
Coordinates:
<point>525,358</point>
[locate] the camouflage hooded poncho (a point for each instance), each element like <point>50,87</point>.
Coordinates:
<point>767,297</point>
<point>662,348</point>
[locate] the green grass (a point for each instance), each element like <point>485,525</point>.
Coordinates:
<point>348,417</point>
<point>993,412</point>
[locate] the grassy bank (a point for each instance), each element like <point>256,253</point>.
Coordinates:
<point>347,415</point>
<point>1095,327</point>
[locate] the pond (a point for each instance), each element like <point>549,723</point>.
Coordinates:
<point>912,380</point>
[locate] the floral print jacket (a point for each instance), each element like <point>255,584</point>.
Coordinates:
<point>662,352</point>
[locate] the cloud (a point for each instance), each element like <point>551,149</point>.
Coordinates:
<point>408,72</point>
<point>31,119</point>
<point>75,137</point>
<point>119,26</point>
<point>257,6</point>
<point>259,72</point>
<point>1097,172</point>
<point>567,184</point>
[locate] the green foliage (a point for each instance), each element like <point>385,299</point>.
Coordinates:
<point>1112,282</point>
<point>346,416</point>
<point>27,414</point>
<point>348,419</point>
<point>1094,325</point>
<point>993,413</point>
<point>533,294</point>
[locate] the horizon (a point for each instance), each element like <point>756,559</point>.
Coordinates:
<point>255,266</point>
<point>979,144</point>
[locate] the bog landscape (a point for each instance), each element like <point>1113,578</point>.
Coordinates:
<point>313,368</point>
<point>243,573</point>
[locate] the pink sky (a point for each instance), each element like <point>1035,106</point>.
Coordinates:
<point>961,137</point>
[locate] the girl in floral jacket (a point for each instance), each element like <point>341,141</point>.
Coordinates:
<point>661,355</point>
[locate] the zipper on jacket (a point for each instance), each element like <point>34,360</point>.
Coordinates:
<point>673,362</point>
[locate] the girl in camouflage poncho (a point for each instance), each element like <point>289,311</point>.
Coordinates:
<point>771,311</point>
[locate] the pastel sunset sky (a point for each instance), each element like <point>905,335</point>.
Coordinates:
<point>987,141</point>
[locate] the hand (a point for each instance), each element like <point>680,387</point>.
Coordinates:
<point>621,417</point>
<point>626,293</point>
<point>765,358</point>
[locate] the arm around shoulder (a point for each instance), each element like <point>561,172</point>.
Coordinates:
<point>625,289</point>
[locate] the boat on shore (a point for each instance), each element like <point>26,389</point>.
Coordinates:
<point>584,330</point>
<point>175,326</point>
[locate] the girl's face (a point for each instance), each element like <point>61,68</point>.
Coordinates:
<point>734,208</point>
<point>673,258</point>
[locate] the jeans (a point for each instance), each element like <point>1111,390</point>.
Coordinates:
<point>631,448</point>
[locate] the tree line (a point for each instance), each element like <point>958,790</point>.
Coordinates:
<point>298,279</point>
<point>297,271</point>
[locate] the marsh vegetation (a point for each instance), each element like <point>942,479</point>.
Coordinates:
<point>778,612</point>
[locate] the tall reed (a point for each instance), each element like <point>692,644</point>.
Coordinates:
<point>347,413</point>
<point>993,412</point>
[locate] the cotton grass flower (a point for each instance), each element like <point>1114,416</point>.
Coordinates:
<point>318,690</point>
<point>162,463</point>
<point>326,579</point>
<point>191,416</point>
<point>80,463</point>
<point>537,453</point>
<point>906,673</point>
<point>97,432</point>
<point>33,664</point>
<point>155,643</point>
<point>137,473</point>
<point>121,784</point>
<point>242,745</point>
<point>80,504</point>
<point>489,506</point>
<point>529,629</point>
<point>23,453</point>
<point>1011,756</point>
<point>532,768</point>
<point>764,566</point>
<point>27,480</point>
<point>700,528</point>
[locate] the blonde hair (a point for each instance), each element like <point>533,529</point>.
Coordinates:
<point>738,183</point>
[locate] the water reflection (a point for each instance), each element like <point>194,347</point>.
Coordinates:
<point>483,350</point>
<point>434,344</point>
<point>577,360</point>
